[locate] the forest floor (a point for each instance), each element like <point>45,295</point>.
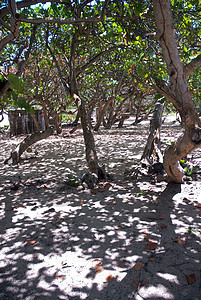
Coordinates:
<point>128,238</point>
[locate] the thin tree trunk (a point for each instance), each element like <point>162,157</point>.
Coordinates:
<point>102,114</point>
<point>91,155</point>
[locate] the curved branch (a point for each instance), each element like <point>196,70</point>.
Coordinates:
<point>27,142</point>
<point>6,40</point>
<point>65,85</point>
<point>80,69</point>
<point>27,53</point>
<point>193,65</point>
<point>26,3</point>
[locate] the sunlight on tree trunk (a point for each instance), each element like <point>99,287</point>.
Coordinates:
<point>177,91</point>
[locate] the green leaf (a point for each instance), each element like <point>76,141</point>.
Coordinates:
<point>158,96</point>
<point>16,82</point>
<point>1,78</point>
<point>21,102</point>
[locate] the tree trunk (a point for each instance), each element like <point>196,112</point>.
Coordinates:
<point>75,122</point>
<point>185,144</point>
<point>27,142</point>
<point>153,144</point>
<point>177,91</point>
<point>102,114</point>
<point>91,155</point>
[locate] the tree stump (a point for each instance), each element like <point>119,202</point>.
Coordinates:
<point>152,151</point>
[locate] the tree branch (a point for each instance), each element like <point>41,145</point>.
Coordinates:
<point>12,7</point>
<point>4,24</point>
<point>65,85</point>
<point>26,3</point>
<point>163,89</point>
<point>27,53</point>
<point>58,21</point>
<point>192,66</point>
<point>9,37</point>
<point>88,64</point>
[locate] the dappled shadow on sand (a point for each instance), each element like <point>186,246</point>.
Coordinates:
<point>58,242</point>
<point>125,239</point>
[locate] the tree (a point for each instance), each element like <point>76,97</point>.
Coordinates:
<point>81,32</point>
<point>177,91</point>
<point>132,23</point>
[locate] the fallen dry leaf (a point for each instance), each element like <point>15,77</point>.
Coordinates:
<point>30,242</point>
<point>191,278</point>
<point>161,217</point>
<point>59,277</point>
<point>197,206</point>
<point>163,226</point>
<point>138,266</point>
<point>151,246</point>
<point>99,269</point>
<point>180,241</point>
<point>96,262</point>
<point>135,282</point>
<point>111,203</point>
<point>80,202</point>
<point>109,278</point>
<point>152,258</point>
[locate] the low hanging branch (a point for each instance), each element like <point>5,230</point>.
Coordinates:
<point>27,142</point>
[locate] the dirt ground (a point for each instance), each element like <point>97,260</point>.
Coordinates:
<point>128,238</point>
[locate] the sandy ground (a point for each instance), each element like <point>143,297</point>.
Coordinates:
<point>125,239</point>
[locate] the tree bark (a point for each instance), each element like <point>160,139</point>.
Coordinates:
<point>27,142</point>
<point>91,155</point>
<point>102,114</point>
<point>177,91</point>
<point>153,145</point>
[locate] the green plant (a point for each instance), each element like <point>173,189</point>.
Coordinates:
<point>72,180</point>
<point>189,171</point>
<point>191,230</point>
<point>141,193</point>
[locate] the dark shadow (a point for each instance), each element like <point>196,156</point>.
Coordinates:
<point>59,242</point>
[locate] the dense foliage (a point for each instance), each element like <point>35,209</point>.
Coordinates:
<point>116,59</point>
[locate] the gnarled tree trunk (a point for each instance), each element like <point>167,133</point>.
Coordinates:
<point>27,142</point>
<point>177,91</point>
<point>153,145</point>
